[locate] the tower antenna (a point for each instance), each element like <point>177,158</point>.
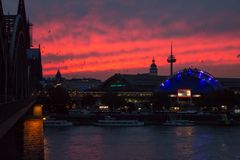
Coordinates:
<point>171,59</point>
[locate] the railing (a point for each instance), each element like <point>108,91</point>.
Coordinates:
<point>7,110</point>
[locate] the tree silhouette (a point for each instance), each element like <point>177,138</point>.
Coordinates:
<point>59,98</point>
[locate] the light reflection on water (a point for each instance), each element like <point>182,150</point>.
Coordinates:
<point>33,139</point>
<point>150,143</point>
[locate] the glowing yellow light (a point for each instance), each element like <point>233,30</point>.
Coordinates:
<point>184,93</point>
<point>37,111</point>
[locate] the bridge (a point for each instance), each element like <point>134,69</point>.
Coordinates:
<point>20,72</point>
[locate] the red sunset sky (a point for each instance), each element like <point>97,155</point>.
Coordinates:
<point>97,38</point>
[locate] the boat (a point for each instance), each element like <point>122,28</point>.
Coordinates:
<point>111,122</point>
<point>56,123</point>
<point>179,122</point>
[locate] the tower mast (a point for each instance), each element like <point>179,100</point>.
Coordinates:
<point>171,59</point>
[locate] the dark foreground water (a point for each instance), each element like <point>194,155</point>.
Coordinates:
<point>142,143</point>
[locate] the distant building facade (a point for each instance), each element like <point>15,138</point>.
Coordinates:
<point>136,89</point>
<point>80,85</point>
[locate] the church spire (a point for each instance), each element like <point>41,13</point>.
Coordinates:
<point>58,76</point>
<point>21,10</point>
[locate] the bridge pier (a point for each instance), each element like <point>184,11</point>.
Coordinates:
<point>24,141</point>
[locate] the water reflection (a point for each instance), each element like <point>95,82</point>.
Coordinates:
<point>184,141</point>
<point>184,131</point>
<point>89,143</point>
<point>153,143</point>
<point>33,139</point>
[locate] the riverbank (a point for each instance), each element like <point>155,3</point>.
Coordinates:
<point>154,118</point>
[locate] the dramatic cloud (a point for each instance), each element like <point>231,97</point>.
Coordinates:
<point>98,38</point>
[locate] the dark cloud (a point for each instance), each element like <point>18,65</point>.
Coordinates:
<point>128,21</point>
<point>61,58</point>
<point>202,16</point>
<point>210,50</point>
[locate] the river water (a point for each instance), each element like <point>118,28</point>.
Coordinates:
<point>142,143</point>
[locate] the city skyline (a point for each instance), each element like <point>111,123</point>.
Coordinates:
<point>97,39</point>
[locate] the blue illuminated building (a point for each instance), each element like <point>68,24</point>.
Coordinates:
<point>198,81</point>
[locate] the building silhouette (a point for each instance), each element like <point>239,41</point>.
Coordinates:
<point>16,66</point>
<point>153,68</point>
<point>58,76</point>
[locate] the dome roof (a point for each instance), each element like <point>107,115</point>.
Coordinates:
<point>196,80</point>
<point>153,65</point>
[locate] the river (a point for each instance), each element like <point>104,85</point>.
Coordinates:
<point>142,143</point>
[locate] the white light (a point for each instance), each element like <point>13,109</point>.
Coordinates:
<point>103,107</point>
<point>172,95</point>
<point>180,94</point>
<point>197,95</point>
<point>224,107</point>
<point>237,111</point>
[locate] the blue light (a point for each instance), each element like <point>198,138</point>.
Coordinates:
<point>190,72</point>
<point>162,85</point>
<point>202,81</point>
<point>167,83</point>
<point>179,77</point>
<point>200,75</point>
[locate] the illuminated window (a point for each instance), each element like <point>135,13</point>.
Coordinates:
<point>103,107</point>
<point>114,85</point>
<point>184,93</point>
